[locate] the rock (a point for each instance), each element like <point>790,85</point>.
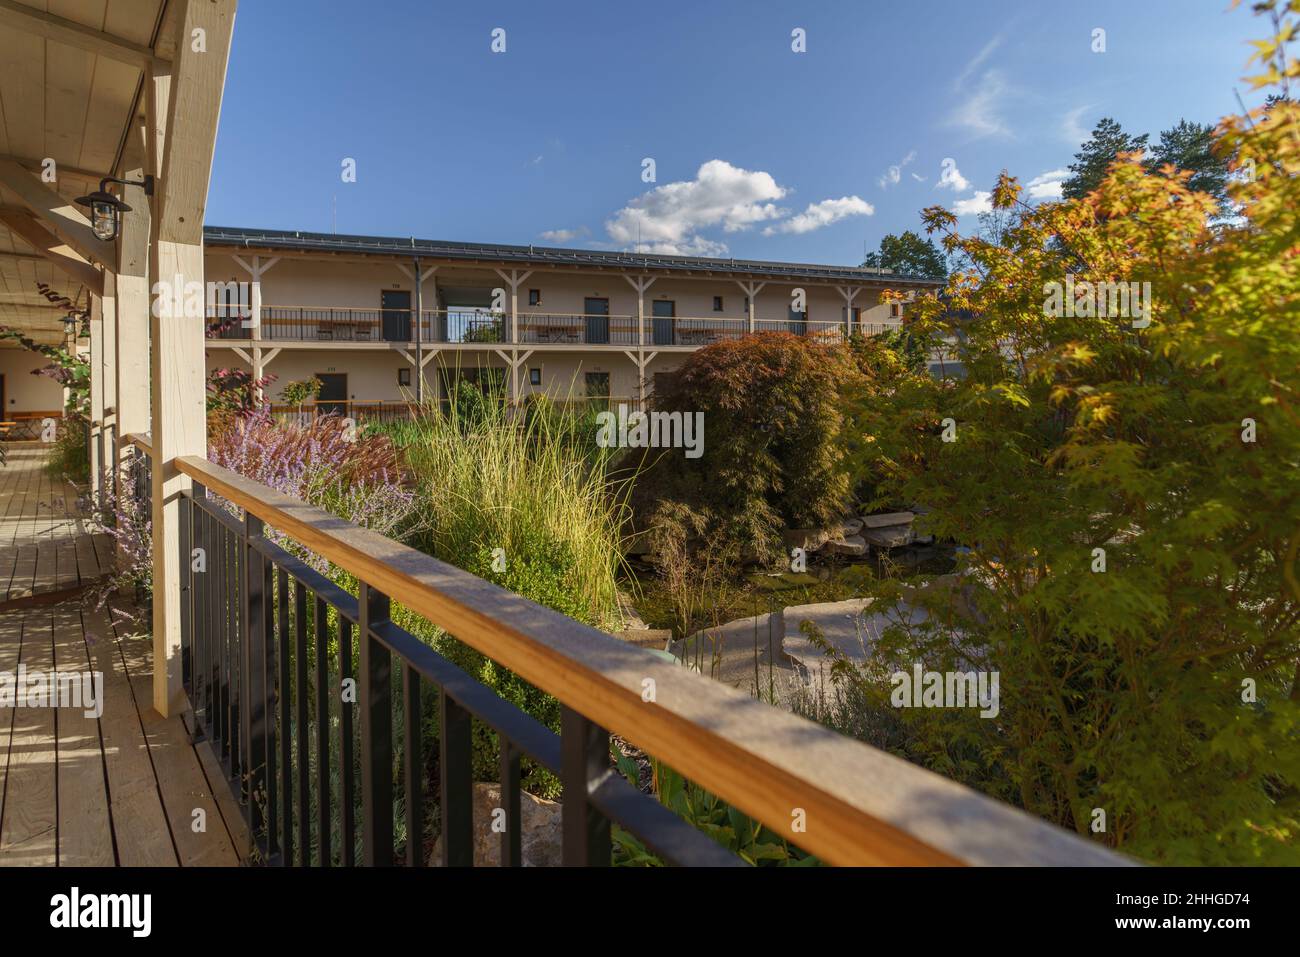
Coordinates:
<point>888,519</point>
<point>849,627</point>
<point>892,537</point>
<point>745,654</point>
<point>541,837</point>
<point>653,638</point>
<point>809,539</point>
<point>632,620</point>
<point>849,545</point>
<point>850,526</point>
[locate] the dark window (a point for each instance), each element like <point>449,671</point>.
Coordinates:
<point>717,303</point>
<point>395,311</point>
<point>534,297</point>
<point>534,376</point>
<point>403,376</point>
<point>664,326</point>
<point>597,384</point>
<point>597,315</point>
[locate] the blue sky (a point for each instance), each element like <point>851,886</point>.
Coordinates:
<point>759,152</point>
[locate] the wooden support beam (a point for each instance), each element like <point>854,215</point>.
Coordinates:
<point>52,248</point>
<point>25,19</point>
<point>131,339</point>
<point>58,214</point>
<point>183,105</point>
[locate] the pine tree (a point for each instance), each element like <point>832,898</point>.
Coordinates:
<point>1188,147</point>
<point>1096,155</point>
<point>909,255</point>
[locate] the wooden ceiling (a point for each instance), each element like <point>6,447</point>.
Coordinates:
<point>71,76</point>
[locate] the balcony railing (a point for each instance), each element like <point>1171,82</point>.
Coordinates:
<point>360,412</point>
<point>469,326</point>
<point>268,646</point>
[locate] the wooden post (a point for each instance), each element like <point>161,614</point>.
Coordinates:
<point>752,290</point>
<point>256,270</point>
<point>182,105</point>
<point>848,294</point>
<point>96,394</point>
<point>131,335</point>
<point>640,284</point>
<point>107,364</point>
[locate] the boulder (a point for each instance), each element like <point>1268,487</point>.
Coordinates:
<point>888,519</point>
<point>892,536</point>
<point>849,545</point>
<point>541,838</point>
<point>655,639</point>
<point>809,539</point>
<point>850,526</point>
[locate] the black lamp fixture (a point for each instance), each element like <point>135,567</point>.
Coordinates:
<point>70,326</point>
<point>106,209</point>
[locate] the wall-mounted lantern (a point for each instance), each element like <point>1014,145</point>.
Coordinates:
<point>106,209</point>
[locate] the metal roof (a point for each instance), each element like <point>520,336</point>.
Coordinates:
<point>541,255</point>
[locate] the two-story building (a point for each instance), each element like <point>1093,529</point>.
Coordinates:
<point>366,315</point>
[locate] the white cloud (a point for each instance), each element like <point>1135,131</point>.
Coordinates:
<point>950,177</point>
<point>894,174</point>
<point>978,60</point>
<point>563,235</point>
<point>822,214</point>
<point>668,218</point>
<point>981,202</point>
<point>1047,185</point>
<point>979,109</point>
<point>918,177</point>
<point>1072,129</point>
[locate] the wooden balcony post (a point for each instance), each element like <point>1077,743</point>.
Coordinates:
<point>131,333</point>
<point>107,365</point>
<point>640,284</point>
<point>183,100</point>
<point>96,394</point>
<point>752,290</point>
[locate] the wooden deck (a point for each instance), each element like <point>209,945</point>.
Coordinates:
<point>124,788</point>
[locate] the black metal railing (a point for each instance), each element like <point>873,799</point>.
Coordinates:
<point>299,687</point>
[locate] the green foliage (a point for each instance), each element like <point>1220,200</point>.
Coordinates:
<point>525,500</point>
<point>1095,156</point>
<point>1128,689</point>
<point>70,453</point>
<point>909,255</point>
<point>1190,146</point>
<point>771,458</point>
<point>752,841</point>
<point>298,392</point>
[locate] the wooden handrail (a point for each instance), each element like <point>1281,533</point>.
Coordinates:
<point>861,806</point>
<point>142,442</point>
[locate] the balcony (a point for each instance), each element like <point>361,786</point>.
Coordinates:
<point>282,323</point>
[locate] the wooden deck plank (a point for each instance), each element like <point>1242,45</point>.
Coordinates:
<point>180,775</point>
<point>143,835</point>
<point>28,830</point>
<point>85,831</point>
<point>11,633</point>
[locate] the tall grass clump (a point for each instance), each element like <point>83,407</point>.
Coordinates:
<point>524,498</point>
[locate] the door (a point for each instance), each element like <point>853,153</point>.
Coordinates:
<point>395,307</point>
<point>663,312</point>
<point>597,313</point>
<point>797,322</point>
<point>333,396</point>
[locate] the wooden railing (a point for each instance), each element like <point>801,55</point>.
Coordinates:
<point>859,805</point>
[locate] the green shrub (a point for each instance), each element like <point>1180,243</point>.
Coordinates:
<point>771,457</point>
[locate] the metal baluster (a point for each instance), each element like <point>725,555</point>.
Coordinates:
<point>414,760</point>
<point>322,734</point>
<point>376,734</point>
<point>347,795</point>
<point>455,753</point>
<point>584,749</point>
<point>512,838</point>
